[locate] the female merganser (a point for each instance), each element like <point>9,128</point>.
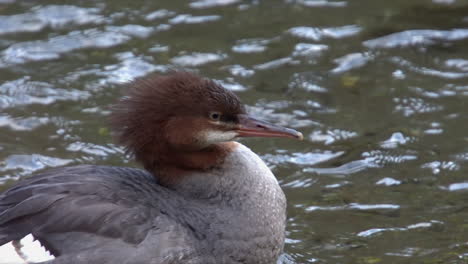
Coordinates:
<point>202,198</point>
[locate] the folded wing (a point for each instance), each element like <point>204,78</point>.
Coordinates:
<point>97,214</point>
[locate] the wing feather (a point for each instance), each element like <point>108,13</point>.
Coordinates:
<point>89,209</point>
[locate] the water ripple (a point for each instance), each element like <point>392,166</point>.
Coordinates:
<point>437,166</point>
<point>308,50</point>
<point>428,71</point>
<point>354,206</point>
<point>197,59</point>
<point>310,158</point>
<point>132,30</point>
<point>318,34</point>
<point>27,164</point>
<point>379,158</point>
<point>276,64</point>
<point>459,64</point>
<point>371,159</point>
<point>211,3</point>
<point>93,149</point>
<point>239,70</point>
<point>230,84</point>
<point>190,19</point>
<point>130,67</point>
<point>23,91</point>
<point>266,112</point>
<point>460,186</point>
<point>158,14</point>
<point>395,140</point>
<point>351,61</point>
<point>331,136</point>
<point>375,231</point>
<point>419,37</point>
<point>54,16</point>
<point>309,82</point>
<point>411,105</point>
<point>22,123</point>
<point>250,45</point>
<point>345,169</point>
<point>387,181</point>
<point>23,52</point>
<point>322,3</point>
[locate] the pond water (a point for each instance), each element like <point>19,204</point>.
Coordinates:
<point>378,88</point>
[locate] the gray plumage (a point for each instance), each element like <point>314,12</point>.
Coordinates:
<point>102,214</point>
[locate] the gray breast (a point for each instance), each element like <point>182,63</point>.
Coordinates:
<point>245,209</point>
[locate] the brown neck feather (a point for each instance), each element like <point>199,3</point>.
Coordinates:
<point>170,165</point>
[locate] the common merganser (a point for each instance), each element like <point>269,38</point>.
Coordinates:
<point>201,198</point>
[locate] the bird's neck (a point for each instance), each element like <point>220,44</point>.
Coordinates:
<point>240,174</point>
<point>171,165</point>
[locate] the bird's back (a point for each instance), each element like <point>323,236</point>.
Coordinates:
<point>96,214</point>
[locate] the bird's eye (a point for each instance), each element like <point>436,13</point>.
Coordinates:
<point>216,116</point>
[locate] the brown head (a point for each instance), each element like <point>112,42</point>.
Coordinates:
<point>178,123</point>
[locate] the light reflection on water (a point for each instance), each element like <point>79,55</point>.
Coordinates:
<point>378,88</point>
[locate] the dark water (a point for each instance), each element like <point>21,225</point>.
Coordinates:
<point>379,89</point>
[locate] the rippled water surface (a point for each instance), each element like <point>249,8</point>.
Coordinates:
<point>379,89</point>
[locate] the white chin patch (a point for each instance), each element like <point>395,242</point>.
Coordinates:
<point>215,136</point>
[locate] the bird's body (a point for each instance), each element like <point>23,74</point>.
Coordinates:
<point>222,205</point>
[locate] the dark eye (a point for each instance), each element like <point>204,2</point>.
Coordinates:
<point>216,116</point>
